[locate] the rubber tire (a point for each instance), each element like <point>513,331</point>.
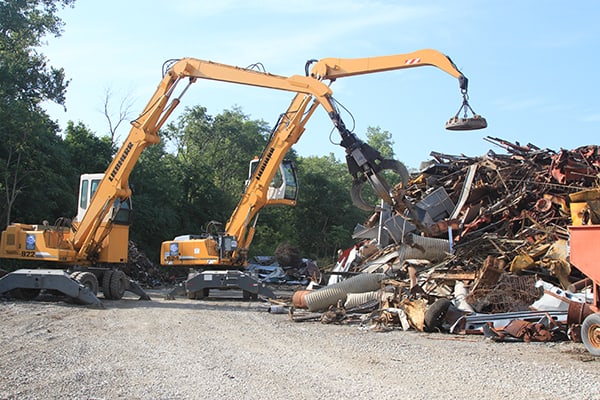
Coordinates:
<point>435,314</point>
<point>106,278</point>
<point>118,284</point>
<point>590,333</point>
<point>88,280</point>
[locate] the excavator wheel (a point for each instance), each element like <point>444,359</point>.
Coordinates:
<point>357,200</point>
<point>246,295</point>
<point>86,279</point>
<point>106,284</point>
<point>118,284</point>
<point>435,314</point>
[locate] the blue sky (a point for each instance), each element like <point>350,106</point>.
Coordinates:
<point>532,65</point>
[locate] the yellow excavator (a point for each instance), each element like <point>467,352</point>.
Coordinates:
<point>217,258</point>
<point>88,251</point>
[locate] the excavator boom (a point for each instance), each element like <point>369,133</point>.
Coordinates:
<point>333,68</point>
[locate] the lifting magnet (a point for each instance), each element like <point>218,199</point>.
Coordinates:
<point>466,124</point>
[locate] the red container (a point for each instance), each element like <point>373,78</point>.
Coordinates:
<point>585,250</point>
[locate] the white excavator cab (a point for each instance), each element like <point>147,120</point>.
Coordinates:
<point>284,185</point>
<point>88,184</point>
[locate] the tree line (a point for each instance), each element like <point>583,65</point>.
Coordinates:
<point>195,175</point>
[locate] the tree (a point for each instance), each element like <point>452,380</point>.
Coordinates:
<point>325,216</point>
<point>88,152</point>
<point>156,196</point>
<point>381,140</point>
<point>239,140</point>
<point>211,161</point>
<point>33,162</point>
<point>24,73</point>
<point>114,121</point>
<point>27,136</point>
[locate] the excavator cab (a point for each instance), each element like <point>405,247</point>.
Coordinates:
<point>88,184</point>
<point>283,187</point>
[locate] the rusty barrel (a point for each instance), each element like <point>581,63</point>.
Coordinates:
<point>299,298</point>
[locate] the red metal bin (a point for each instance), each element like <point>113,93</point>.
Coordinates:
<point>585,256</point>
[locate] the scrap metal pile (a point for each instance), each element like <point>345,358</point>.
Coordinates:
<point>476,245</point>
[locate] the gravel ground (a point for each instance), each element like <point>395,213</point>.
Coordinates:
<point>227,348</point>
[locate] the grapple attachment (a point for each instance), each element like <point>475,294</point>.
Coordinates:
<point>380,186</point>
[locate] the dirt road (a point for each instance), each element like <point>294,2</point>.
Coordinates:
<point>233,349</point>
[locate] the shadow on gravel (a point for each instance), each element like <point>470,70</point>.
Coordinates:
<point>218,300</point>
<point>209,303</point>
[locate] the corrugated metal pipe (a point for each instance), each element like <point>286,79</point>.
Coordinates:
<point>323,298</point>
<point>424,248</point>
<point>359,299</point>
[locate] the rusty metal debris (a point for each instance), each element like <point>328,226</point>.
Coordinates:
<point>485,240</point>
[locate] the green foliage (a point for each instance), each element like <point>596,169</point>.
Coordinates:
<point>381,141</point>
<point>31,153</point>
<point>32,157</point>
<point>211,161</point>
<point>238,141</point>
<point>267,237</point>
<point>156,194</point>
<point>88,152</point>
<point>24,73</point>
<point>275,225</point>
<point>325,216</point>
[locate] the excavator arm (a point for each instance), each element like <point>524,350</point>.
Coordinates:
<point>289,129</point>
<point>364,162</point>
<point>333,68</point>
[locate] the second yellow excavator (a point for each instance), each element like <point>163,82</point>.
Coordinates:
<point>217,258</point>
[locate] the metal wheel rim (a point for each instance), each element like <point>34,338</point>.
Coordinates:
<point>593,335</point>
